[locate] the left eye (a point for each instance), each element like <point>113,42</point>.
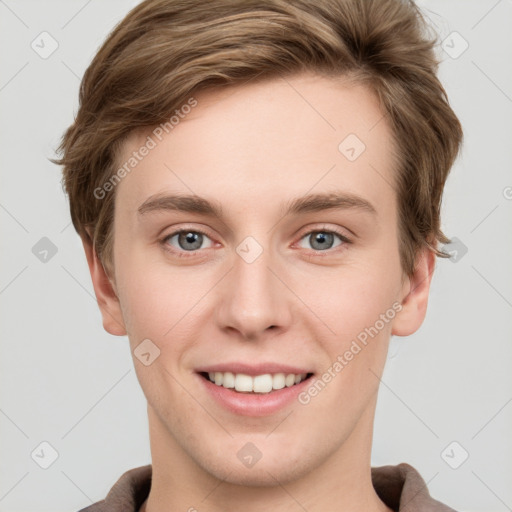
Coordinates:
<point>189,240</point>
<point>322,240</point>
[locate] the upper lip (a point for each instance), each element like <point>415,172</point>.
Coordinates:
<point>252,369</point>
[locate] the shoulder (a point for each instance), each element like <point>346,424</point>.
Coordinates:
<point>127,494</point>
<point>401,487</point>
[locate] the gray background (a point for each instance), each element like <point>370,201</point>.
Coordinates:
<point>66,382</point>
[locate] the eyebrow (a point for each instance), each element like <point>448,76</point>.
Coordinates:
<point>300,205</point>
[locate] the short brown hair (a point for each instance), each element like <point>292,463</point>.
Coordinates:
<point>165,50</point>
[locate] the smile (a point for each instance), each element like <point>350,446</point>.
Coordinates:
<point>265,383</point>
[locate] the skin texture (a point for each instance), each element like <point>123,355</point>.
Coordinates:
<point>253,148</point>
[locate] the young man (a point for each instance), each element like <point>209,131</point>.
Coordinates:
<point>257,185</point>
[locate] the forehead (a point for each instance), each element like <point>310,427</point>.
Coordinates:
<point>275,139</point>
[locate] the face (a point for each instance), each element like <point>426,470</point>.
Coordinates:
<point>286,263</point>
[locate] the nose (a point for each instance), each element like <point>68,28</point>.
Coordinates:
<point>252,300</point>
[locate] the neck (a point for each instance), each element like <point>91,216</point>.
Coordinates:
<point>341,482</point>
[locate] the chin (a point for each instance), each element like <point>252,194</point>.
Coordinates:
<point>263,476</point>
<point>277,469</point>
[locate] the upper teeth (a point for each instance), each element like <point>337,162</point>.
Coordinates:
<point>258,384</point>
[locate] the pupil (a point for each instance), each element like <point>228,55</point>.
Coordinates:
<point>321,240</point>
<point>194,239</point>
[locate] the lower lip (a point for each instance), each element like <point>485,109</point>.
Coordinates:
<point>253,404</point>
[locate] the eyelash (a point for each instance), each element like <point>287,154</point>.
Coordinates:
<point>188,254</point>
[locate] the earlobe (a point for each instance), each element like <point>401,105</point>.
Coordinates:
<point>106,296</point>
<point>415,294</point>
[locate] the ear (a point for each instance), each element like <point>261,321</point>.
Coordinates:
<point>104,289</point>
<point>415,291</point>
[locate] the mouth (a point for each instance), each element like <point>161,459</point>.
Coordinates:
<point>255,384</point>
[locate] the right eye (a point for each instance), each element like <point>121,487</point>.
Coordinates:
<point>185,241</point>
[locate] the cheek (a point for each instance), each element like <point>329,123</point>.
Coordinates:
<point>357,307</point>
<point>159,300</point>
<point>352,298</point>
